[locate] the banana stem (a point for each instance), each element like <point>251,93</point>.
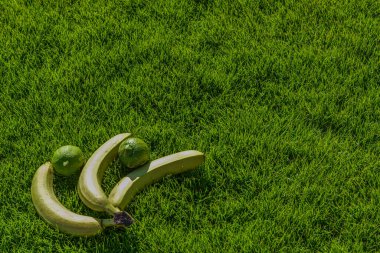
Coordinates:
<point>108,223</point>
<point>110,209</point>
<point>123,219</point>
<point>120,218</point>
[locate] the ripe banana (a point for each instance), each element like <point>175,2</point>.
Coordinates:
<point>89,185</point>
<point>55,214</point>
<point>147,174</point>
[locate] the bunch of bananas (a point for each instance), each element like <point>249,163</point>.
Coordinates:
<point>92,194</point>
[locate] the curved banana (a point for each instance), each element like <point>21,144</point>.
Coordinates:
<point>55,214</point>
<point>147,174</point>
<point>89,185</point>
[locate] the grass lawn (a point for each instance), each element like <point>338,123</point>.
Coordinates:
<point>283,97</point>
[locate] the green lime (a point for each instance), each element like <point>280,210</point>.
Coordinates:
<point>133,152</point>
<point>68,160</point>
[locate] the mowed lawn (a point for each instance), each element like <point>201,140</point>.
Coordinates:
<point>283,97</point>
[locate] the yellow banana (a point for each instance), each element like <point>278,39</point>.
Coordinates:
<point>147,174</point>
<point>89,185</point>
<point>55,214</point>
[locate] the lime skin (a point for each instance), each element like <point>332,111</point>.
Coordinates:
<point>133,152</point>
<point>68,160</point>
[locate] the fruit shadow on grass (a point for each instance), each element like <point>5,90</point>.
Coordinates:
<point>190,187</point>
<point>112,175</point>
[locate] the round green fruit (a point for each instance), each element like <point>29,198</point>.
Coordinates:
<point>133,152</point>
<point>67,160</point>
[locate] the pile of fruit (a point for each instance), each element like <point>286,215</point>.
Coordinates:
<point>132,153</point>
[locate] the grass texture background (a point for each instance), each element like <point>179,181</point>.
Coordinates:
<point>283,98</point>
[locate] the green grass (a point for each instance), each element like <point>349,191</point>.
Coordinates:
<point>282,96</point>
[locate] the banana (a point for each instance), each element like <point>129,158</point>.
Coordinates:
<point>147,174</point>
<point>89,185</point>
<point>55,214</point>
